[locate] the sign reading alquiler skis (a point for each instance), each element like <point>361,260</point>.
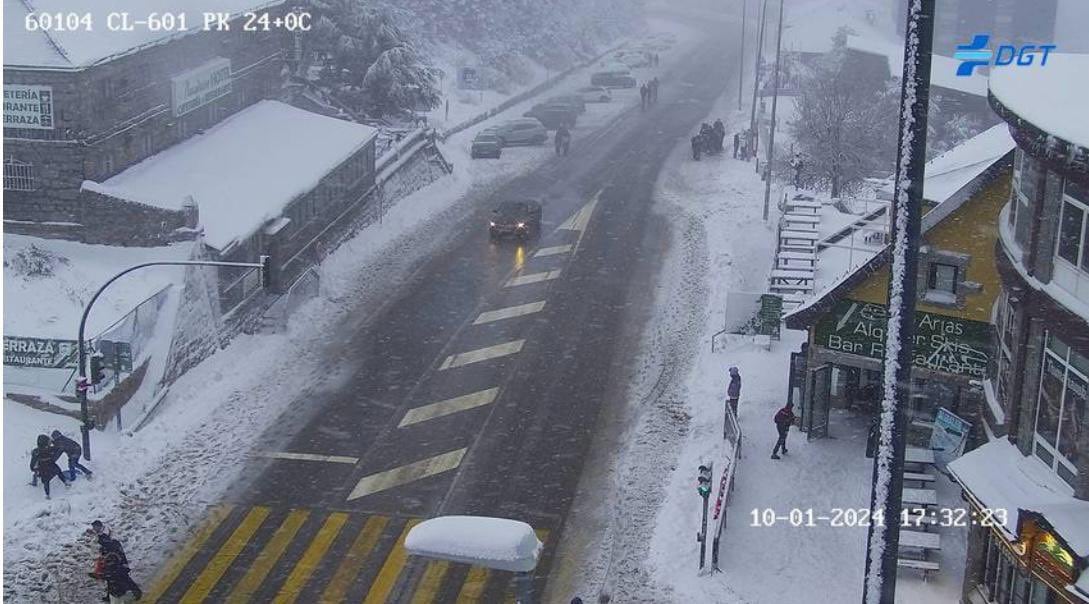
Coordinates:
<point>942,343</point>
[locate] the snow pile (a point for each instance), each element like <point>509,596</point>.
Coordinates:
<point>497,543</point>
<point>244,170</point>
<point>1051,97</point>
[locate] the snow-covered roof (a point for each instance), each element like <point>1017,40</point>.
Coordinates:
<point>244,170</point>
<point>1000,477</point>
<point>78,47</point>
<point>1052,97</point>
<point>497,543</point>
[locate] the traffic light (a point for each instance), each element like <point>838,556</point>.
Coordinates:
<point>704,486</point>
<point>266,272</point>
<point>98,372</point>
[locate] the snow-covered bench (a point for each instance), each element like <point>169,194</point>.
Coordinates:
<point>926,566</point>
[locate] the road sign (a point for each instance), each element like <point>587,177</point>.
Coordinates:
<point>117,354</point>
<point>468,78</point>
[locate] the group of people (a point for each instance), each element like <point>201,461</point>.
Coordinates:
<point>648,93</point>
<point>43,460</point>
<point>112,566</point>
<point>744,145</point>
<point>709,139</point>
<point>783,419</point>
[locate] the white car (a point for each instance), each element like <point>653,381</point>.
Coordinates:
<point>595,94</point>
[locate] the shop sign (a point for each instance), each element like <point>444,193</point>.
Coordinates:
<point>770,315</point>
<point>1050,553</point>
<point>39,352</point>
<point>28,107</point>
<point>198,87</point>
<point>949,436</point>
<point>942,343</point>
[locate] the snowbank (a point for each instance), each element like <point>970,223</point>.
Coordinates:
<point>1051,97</point>
<point>244,170</point>
<point>497,543</point>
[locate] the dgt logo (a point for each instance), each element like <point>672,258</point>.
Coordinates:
<point>976,53</point>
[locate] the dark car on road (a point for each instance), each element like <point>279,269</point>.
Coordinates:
<point>613,76</point>
<point>521,131</point>
<point>521,219</point>
<point>573,100</point>
<point>553,115</point>
<point>486,144</point>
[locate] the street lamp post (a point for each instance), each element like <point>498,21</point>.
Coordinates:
<point>753,130</point>
<point>774,106</point>
<point>741,55</point>
<point>81,352</point>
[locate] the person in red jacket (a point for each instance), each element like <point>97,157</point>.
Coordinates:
<point>783,419</point>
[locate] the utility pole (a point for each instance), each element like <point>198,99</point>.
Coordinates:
<point>756,79</point>
<point>741,55</point>
<point>883,539</point>
<point>774,105</point>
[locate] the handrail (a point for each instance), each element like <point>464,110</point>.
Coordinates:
<point>726,484</point>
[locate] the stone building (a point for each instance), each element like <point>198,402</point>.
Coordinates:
<point>85,105</point>
<point>1035,469</point>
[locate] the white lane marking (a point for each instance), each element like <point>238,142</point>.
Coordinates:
<point>482,354</point>
<point>407,473</point>
<point>509,312</point>
<point>307,457</point>
<point>533,278</point>
<point>552,251</point>
<point>581,218</point>
<point>450,405</point>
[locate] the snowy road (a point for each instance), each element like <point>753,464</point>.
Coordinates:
<point>477,389</point>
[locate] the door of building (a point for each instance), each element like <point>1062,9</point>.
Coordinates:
<point>815,415</point>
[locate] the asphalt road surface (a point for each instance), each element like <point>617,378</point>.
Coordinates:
<point>476,391</point>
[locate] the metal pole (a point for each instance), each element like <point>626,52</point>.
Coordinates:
<point>741,55</point>
<point>703,531</point>
<point>888,471</point>
<point>774,105</point>
<point>81,383</point>
<point>756,79</point>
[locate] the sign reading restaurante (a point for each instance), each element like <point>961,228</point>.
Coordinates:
<point>28,107</point>
<point>942,343</point>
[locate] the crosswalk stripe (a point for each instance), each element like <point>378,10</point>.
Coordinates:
<point>181,558</point>
<point>552,251</point>
<point>270,554</point>
<point>391,570</point>
<point>534,278</point>
<point>428,589</point>
<point>451,405</point>
<point>307,457</point>
<point>407,473</point>
<point>509,312</point>
<point>472,590</point>
<point>353,561</point>
<point>204,584</point>
<point>579,220</point>
<point>482,354</point>
<point>296,581</point>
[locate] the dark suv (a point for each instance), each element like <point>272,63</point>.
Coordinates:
<point>521,219</point>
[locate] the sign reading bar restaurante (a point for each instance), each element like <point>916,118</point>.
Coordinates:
<point>942,343</point>
<point>28,107</point>
<point>198,87</point>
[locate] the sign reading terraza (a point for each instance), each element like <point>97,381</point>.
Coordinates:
<point>942,343</point>
<point>39,352</point>
<point>198,87</point>
<point>28,107</point>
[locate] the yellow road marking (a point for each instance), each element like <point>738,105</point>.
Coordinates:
<point>181,558</point>
<point>473,587</point>
<point>428,589</point>
<point>451,405</point>
<point>534,278</point>
<point>509,312</point>
<point>407,473</point>
<point>353,561</point>
<point>308,457</point>
<point>296,581</point>
<point>391,570</point>
<point>268,557</point>
<point>228,552</point>
<point>482,354</point>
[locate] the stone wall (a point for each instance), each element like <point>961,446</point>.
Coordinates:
<point>112,221</point>
<point>197,331</point>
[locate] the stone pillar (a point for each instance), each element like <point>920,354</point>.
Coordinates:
<point>1029,365</point>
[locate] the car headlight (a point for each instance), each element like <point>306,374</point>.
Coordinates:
<point>491,223</point>
<point>521,225</point>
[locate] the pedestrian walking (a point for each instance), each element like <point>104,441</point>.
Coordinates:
<point>654,90</point>
<point>112,567</point>
<point>563,140</point>
<point>643,92</point>
<point>74,451</point>
<point>737,142</point>
<point>783,420</point>
<point>733,390</point>
<point>43,463</point>
<point>797,163</point>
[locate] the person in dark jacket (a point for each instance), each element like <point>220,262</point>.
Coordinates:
<point>654,90</point>
<point>644,93</point>
<point>113,568</point>
<point>737,143</point>
<point>43,463</point>
<point>733,390</point>
<point>73,450</point>
<point>563,140</point>
<point>783,420</point>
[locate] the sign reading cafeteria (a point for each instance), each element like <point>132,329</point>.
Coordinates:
<point>28,107</point>
<point>942,343</point>
<point>198,87</point>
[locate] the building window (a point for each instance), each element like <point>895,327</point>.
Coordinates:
<point>18,176</point>
<point>1072,237</point>
<point>1062,408</point>
<point>1023,192</point>
<point>943,278</point>
<point>1007,334</point>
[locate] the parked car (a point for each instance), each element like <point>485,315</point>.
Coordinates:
<point>633,58</point>
<point>554,115</point>
<point>522,131</point>
<point>595,94</point>
<point>574,100</point>
<point>486,144</point>
<point>521,219</point>
<point>613,76</point>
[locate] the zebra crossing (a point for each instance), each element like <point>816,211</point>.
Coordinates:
<point>243,554</point>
